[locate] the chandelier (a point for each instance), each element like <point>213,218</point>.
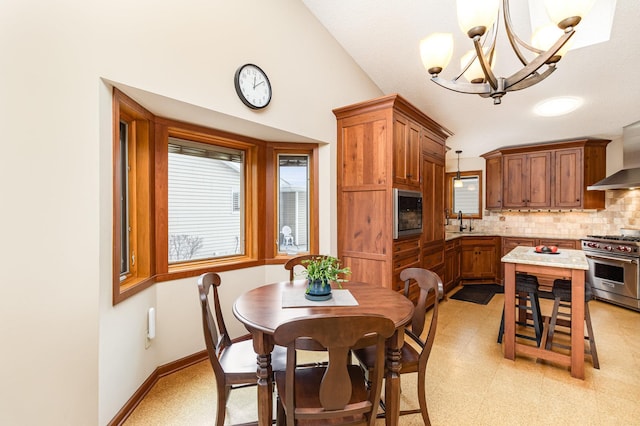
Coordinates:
<point>475,18</point>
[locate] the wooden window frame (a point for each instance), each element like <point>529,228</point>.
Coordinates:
<point>274,150</point>
<point>141,170</point>
<point>148,174</point>
<point>449,177</point>
<point>168,128</point>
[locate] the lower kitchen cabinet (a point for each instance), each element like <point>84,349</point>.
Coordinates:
<point>480,260</point>
<point>406,254</point>
<point>451,264</point>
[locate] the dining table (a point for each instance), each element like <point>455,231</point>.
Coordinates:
<point>566,264</point>
<point>262,309</point>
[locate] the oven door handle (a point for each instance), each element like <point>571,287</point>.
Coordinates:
<point>613,259</point>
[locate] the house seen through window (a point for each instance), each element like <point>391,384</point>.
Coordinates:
<point>204,221</point>
<point>293,203</point>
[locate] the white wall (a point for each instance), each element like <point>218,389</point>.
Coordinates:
<point>68,356</point>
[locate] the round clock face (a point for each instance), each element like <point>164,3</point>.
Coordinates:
<point>252,86</point>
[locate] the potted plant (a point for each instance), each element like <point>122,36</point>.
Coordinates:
<point>321,272</point>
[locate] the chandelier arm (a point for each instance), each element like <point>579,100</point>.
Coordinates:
<point>513,37</point>
<point>494,33</point>
<point>538,62</point>
<point>532,79</point>
<point>471,88</point>
<point>486,65</point>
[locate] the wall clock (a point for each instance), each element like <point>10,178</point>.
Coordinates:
<point>253,86</point>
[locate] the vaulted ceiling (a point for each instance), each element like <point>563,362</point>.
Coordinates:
<point>383,37</point>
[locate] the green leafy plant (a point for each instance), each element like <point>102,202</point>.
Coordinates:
<point>326,269</point>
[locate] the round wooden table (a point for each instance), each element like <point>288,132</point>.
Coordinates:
<point>261,311</point>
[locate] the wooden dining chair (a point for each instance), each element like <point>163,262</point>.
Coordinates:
<point>234,363</point>
<point>414,360</point>
<point>335,393</point>
<point>297,261</point>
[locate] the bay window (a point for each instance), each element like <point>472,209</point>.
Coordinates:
<point>189,199</point>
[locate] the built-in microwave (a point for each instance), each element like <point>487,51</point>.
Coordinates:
<point>407,213</point>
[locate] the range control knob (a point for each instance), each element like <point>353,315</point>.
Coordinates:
<point>592,245</point>
<point>625,249</point>
<point>608,248</point>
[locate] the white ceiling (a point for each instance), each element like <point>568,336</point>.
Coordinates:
<point>383,36</point>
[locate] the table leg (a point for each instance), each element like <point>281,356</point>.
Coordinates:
<point>577,323</point>
<point>392,379</point>
<point>263,349</point>
<point>509,338</point>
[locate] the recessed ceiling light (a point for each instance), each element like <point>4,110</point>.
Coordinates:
<point>557,106</point>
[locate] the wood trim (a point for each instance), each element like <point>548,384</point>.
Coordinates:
<point>142,161</point>
<point>449,193</point>
<point>400,104</point>
<point>546,146</point>
<point>160,371</point>
<point>270,216</point>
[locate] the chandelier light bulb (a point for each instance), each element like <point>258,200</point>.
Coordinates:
<point>564,13</point>
<point>436,51</point>
<point>544,37</point>
<point>474,74</point>
<point>473,15</point>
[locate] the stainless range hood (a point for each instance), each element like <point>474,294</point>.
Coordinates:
<point>623,179</point>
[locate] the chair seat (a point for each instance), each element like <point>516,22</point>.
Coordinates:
<point>308,395</point>
<point>526,283</point>
<point>240,360</point>
<point>562,289</point>
<point>409,357</point>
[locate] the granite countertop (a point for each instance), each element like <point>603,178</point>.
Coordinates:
<point>453,235</point>
<point>565,258</point>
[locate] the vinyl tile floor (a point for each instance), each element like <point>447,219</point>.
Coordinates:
<point>469,382</point>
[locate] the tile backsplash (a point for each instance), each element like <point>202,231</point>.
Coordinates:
<point>622,211</point>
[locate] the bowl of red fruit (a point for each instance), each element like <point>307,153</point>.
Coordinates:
<point>546,249</point>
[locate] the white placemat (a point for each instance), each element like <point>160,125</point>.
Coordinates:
<point>294,298</point>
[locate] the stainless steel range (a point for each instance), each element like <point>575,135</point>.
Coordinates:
<point>613,267</point>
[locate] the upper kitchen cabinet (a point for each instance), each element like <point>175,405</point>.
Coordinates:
<point>569,178</point>
<point>526,180</point>
<point>380,146</point>
<point>552,175</point>
<point>433,188</point>
<point>406,152</point>
<point>493,179</point>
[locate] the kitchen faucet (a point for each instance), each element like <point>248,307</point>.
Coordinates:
<point>462,227</point>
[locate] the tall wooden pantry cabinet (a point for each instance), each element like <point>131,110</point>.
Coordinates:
<point>387,143</point>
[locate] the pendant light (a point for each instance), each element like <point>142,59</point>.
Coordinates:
<point>457,181</point>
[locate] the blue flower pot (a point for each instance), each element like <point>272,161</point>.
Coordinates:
<point>318,290</point>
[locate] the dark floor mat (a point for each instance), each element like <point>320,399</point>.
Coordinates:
<point>477,293</point>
